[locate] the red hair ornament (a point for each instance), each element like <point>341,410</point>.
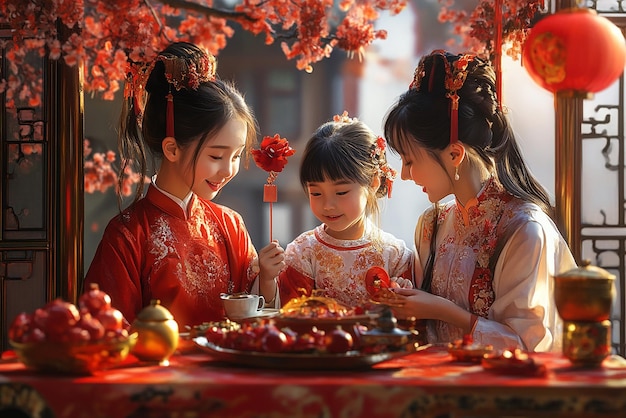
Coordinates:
<point>455,76</point>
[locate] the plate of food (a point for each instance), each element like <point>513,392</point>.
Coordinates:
<point>515,362</point>
<point>296,361</point>
<point>263,313</point>
<point>325,313</point>
<point>467,351</point>
<point>303,324</point>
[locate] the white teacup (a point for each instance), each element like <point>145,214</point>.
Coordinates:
<point>240,305</point>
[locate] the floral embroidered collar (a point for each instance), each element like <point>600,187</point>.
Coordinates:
<point>482,220</point>
<point>464,209</point>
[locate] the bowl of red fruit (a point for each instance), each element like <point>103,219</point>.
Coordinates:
<point>61,337</point>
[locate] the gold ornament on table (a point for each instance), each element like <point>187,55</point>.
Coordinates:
<point>583,298</point>
<point>157,334</point>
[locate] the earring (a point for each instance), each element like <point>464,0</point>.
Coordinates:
<point>456,173</point>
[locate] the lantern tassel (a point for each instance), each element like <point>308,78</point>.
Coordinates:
<point>498,51</point>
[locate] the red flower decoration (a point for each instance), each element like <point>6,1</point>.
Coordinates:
<point>272,156</point>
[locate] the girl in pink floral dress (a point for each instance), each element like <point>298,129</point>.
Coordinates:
<point>344,171</point>
<point>174,244</point>
<point>488,257</point>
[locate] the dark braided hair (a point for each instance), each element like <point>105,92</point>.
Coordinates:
<point>421,117</point>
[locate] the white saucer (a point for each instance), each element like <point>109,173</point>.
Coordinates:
<point>263,313</point>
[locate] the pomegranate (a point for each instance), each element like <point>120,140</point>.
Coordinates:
<point>34,335</point>
<point>111,319</point>
<point>291,336</point>
<point>274,340</point>
<point>59,317</point>
<point>21,324</point>
<point>338,341</point>
<point>304,342</point>
<point>215,335</point>
<point>77,335</point>
<point>92,325</point>
<point>94,300</point>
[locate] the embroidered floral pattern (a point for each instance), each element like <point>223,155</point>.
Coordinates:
<point>468,249</point>
<point>338,267</point>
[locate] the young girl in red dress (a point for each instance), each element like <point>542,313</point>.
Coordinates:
<point>174,244</point>
<point>344,171</point>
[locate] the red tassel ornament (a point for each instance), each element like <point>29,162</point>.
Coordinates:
<point>169,116</point>
<point>454,118</point>
<point>272,157</point>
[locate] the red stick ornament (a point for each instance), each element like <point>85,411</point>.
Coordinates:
<point>272,157</point>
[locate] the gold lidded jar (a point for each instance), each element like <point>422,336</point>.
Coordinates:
<point>157,333</point>
<point>584,293</point>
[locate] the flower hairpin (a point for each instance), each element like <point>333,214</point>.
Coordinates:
<point>184,73</point>
<point>344,118</point>
<point>179,72</point>
<point>272,157</point>
<point>379,158</point>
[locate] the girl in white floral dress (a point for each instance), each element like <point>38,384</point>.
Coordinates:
<point>487,258</point>
<point>344,170</point>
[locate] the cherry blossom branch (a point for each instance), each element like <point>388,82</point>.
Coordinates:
<point>162,31</point>
<point>207,11</point>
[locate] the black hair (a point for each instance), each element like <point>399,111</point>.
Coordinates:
<point>421,117</point>
<point>345,150</point>
<point>199,113</point>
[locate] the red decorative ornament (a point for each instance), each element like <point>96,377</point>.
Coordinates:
<point>272,157</point>
<point>575,50</point>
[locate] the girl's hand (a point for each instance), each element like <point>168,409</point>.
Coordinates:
<point>271,260</point>
<point>401,283</point>
<point>412,303</point>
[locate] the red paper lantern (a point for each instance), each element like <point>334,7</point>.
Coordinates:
<point>575,49</point>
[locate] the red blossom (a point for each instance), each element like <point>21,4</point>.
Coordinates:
<point>105,34</point>
<point>272,156</point>
<point>477,28</point>
<point>100,175</point>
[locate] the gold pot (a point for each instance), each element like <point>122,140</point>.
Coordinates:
<point>584,293</point>
<point>157,333</point>
<point>587,343</point>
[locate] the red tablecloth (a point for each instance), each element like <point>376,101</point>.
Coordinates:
<point>424,384</point>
